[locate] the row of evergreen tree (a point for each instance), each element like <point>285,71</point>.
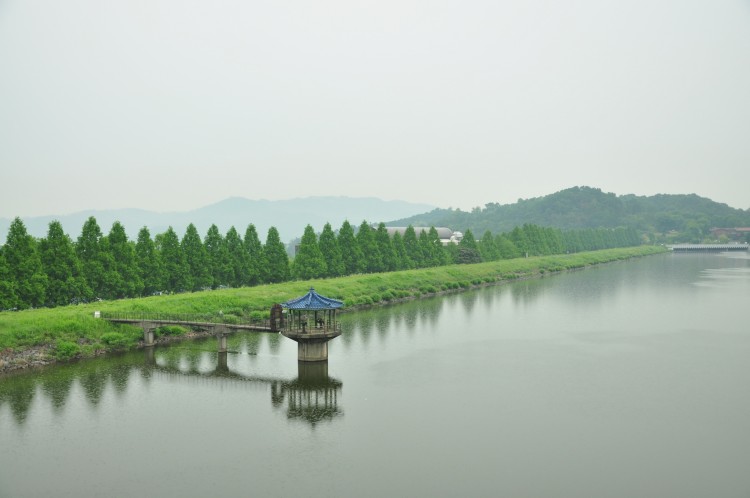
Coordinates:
<point>55,270</point>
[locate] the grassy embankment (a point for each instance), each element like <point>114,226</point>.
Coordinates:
<point>72,331</point>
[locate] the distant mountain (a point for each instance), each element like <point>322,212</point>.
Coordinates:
<point>289,216</point>
<point>587,207</point>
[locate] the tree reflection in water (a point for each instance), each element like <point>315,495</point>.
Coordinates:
<point>312,397</point>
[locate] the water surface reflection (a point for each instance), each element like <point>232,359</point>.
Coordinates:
<point>311,397</point>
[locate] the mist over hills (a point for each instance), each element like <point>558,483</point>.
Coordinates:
<point>572,208</point>
<point>289,216</point>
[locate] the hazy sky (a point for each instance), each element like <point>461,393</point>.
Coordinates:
<point>174,104</point>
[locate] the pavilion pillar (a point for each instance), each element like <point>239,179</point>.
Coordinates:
<point>312,350</point>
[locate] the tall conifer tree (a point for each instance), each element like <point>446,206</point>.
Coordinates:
<point>149,263</point>
<point>520,240</point>
<point>239,259</point>
<point>438,256</point>
<point>402,258</point>
<point>370,250</point>
<point>127,281</point>
<point>277,259</point>
<point>506,248</point>
<point>385,246</point>
<point>197,259</point>
<point>65,281</point>
<point>309,262</point>
<point>413,249</point>
<point>22,256</point>
<point>425,247</point>
<point>351,254</point>
<point>218,256</point>
<point>488,248</point>
<point>176,268</point>
<point>89,251</point>
<point>329,247</point>
<point>8,298</point>
<point>257,273</point>
<point>468,250</point>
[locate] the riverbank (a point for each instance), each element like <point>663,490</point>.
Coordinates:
<point>33,338</point>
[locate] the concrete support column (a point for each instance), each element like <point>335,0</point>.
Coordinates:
<point>222,342</point>
<point>312,351</point>
<point>148,334</point>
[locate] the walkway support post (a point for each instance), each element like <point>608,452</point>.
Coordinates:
<point>222,337</point>
<point>148,333</point>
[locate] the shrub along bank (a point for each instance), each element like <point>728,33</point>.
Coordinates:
<point>42,336</point>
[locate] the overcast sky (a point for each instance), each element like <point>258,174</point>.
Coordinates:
<point>170,105</point>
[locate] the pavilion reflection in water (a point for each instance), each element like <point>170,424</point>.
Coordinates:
<point>312,397</point>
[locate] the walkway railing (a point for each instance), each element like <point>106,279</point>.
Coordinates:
<point>177,318</point>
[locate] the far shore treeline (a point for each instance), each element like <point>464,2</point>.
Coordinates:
<point>57,270</point>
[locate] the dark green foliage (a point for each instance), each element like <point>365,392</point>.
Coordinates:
<point>385,247</point>
<point>309,262</point>
<point>468,250</point>
<point>425,249</point>
<point>351,253</point>
<point>239,259</point>
<point>329,247</point>
<point>276,258</point>
<point>88,249</point>
<point>149,263</point>
<point>506,248</point>
<point>8,298</point>
<point>196,257</point>
<point>413,249</point>
<point>487,247</point>
<point>65,281</point>
<point>176,268</point>
<point>451,253</point>
<point>402,258</point>
<point>123,278</point>
<point>25,266</point>
<point>520,241</point>
<point>257,262</point>
<point>370,251</point>
<point>170,330</point>
<point>218,258</point>
<point>434,252</point>
<point>66,350</point>
<point>115,341</point>
<point>74,326</point>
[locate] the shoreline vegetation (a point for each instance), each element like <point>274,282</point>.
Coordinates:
<point>39,337</point>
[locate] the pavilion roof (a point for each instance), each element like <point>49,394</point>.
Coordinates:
<point>313,301</point>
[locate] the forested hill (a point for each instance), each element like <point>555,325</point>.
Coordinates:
<point>587,207</point>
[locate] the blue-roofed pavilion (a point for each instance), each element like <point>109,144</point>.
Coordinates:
<point>313,301</point>
<point>311,321</point>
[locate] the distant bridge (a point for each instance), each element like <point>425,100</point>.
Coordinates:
<point>708,247</point>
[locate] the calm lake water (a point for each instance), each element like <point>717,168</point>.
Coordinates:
<point>626,380</point>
